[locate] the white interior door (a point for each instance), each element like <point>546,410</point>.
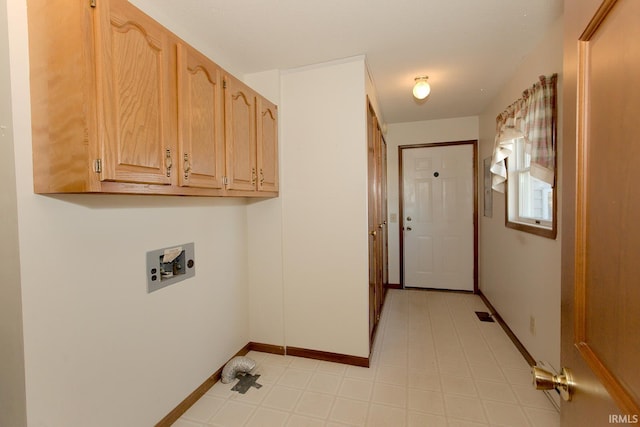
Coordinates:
<point>438,224</point>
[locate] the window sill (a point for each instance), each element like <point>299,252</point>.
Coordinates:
<point>549,233</point>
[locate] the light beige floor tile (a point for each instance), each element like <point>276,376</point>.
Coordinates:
<point>454,368</point>
<point>324,383</point>
<point>277,360</point>
<point>296,378</point>
<point>254,396</point>
<point>256,356</point>
<point>361,373</point>
<point>422,363</point>
<point>529,396</point>
<point>265,417</point>
<point>396,375</point>
<point>464,423</point>
<point>304,363</point>
<point>387,394</point>
<point>204,408</point>
<point>386,416</point>
<point>464,408</point>
<point>349,411</point>
<point>433,364</point>
<point>283,398</point>
<point>424,381</point>
<point>232,414</point>
<point>461,386</point>
<point>426,401</point>
<point>316,405</point>
<point>269,374</point>
<point>393,356</point>
<point>352,388</point>
<point>518,376</point>
<point>220,390</point>
<point>186,423</point>
<point>300,421</point>
<point>498,391</point>
<point>331,368</point>
<point>487,371</point>
<point>418,419</point>
<point>505,414</point>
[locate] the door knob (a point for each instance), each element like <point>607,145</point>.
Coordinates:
<point>545,380</point>
<point>373,233</point>
<point>408,218</point>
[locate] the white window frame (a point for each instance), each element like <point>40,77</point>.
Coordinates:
<point>518,173</point>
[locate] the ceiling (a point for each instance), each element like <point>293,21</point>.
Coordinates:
<point>468,48</point>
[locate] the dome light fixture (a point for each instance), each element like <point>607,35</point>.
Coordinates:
<point>421,89</point>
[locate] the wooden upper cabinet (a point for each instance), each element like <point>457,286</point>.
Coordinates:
<point>267,145</point>
<point>200,120</point>
<point>133,55</point>
<point>240,135</point>
<point>119,104</point>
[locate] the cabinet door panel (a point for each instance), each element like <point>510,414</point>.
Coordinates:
<point>200,120</point>
<point>133,91</point>
<point>267,146</point>
<point>240,132</point>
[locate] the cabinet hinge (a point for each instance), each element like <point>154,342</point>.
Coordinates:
<point>97,166</point>
<point>92,3</point>
<point>224,84</point>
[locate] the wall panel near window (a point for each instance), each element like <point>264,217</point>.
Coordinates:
<point>122,105</point>
<point>377,221</point>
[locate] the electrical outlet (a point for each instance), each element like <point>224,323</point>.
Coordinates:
<point>532,325</point>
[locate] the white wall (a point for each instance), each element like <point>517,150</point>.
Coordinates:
<point>324,204</point>
<point>424,132</point>
<point>520,272</point>
<point>266,286</point>
<point>99,350</point>
<point>12,387</point>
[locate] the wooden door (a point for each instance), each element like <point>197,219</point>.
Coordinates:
<point>601,233</point>
<point>240,135</point>
<point>133,55</point>
<point>438,216</point>
<point>200,120</point>
<point>383,201</point>
<point>376,163</point>
<point>380,198</point>
<point>372,223</point>
<point>267,145</point>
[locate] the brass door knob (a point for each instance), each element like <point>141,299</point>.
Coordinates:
<point>545,380</point>
<point>373,233</point>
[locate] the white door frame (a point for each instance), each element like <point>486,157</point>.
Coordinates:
<point>474,144</point>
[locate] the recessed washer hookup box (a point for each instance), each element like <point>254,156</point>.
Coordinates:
<point>170,265</point>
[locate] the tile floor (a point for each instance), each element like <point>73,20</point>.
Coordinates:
<point>434,364</point>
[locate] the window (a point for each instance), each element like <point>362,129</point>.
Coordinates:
<point>530,202</point>
<point>524,159</point>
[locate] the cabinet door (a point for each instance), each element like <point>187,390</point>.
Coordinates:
<point>240,135</point>
<point>267,145</point>
<point>133,91</point>
<point>200,120</point>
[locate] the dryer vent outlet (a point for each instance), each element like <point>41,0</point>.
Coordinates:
<point>235,366</point>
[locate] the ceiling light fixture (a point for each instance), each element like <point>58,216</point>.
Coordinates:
<point>421,89</point>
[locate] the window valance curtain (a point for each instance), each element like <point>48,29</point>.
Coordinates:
<point>532,117</point>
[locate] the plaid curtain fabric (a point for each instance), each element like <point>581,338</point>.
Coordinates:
<point>532,117</point>
<point>539,128</point>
